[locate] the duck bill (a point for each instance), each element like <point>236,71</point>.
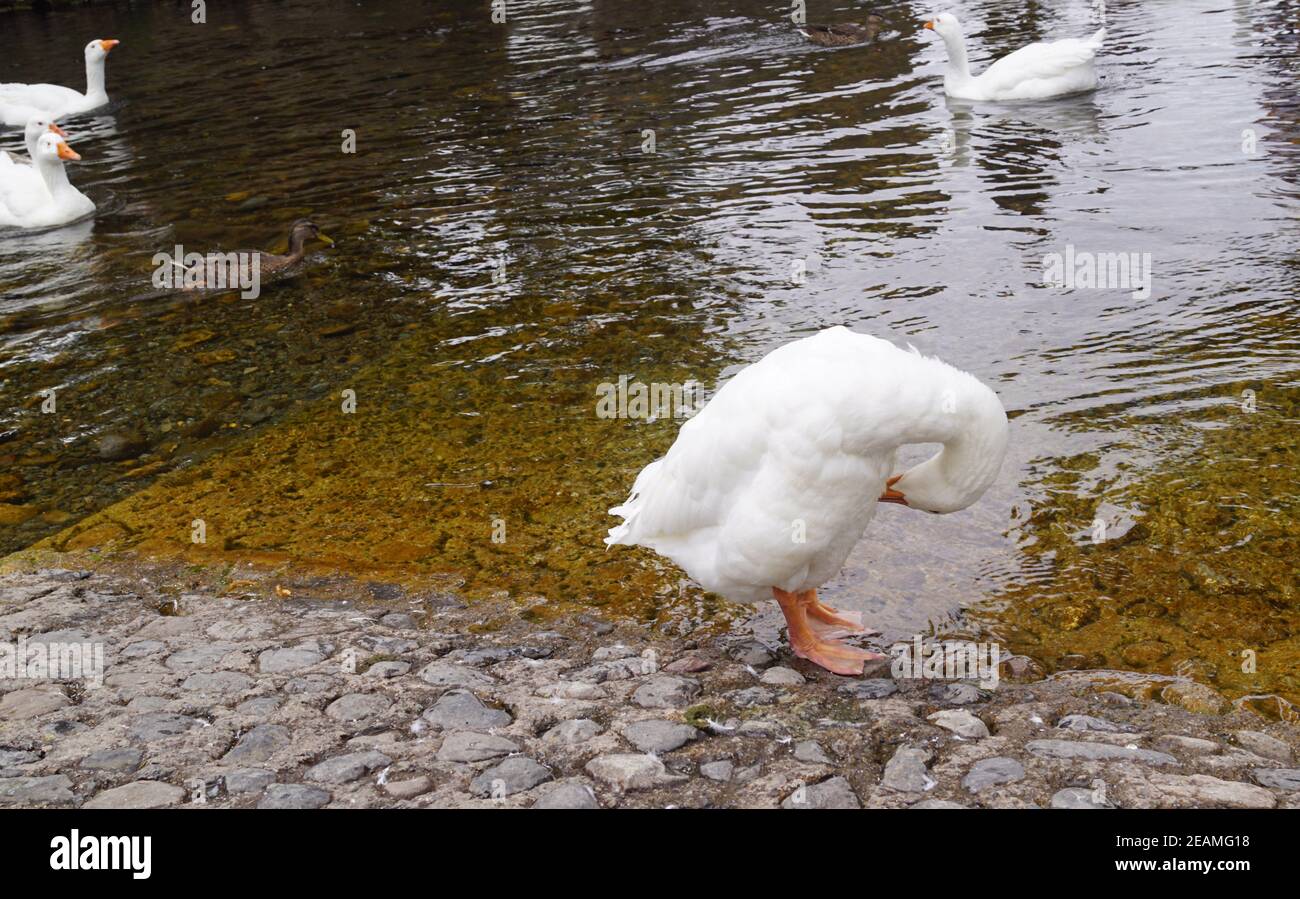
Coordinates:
<point>328,241</point>
<point>66,152</point>
<point>893,496</point>
<point>57,130</point>
<point>929,25</point>
<point>109,44</point>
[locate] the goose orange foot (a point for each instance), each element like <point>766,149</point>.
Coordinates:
<point>819,648</point>
<point>849,622</point>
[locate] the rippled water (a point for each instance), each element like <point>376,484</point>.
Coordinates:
<point>917,218</point>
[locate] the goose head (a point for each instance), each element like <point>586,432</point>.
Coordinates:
<point>37,127</point>
<point>945,25</point>
<point>52,149</point>
<point>97,50</point>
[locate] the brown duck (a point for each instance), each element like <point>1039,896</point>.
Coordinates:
<point>845,35</point>
<point>268,264</point>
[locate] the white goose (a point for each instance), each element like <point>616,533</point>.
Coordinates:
<point>13,167</point>
<point>54,201</point>
<point>21,102</point>
<point>1035,72</point>
<point>768,488</point>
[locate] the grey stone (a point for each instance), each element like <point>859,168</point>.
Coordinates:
<point>572,732</point>
<point>141,794</point>
<point>220,682</point>
<point>751,696</point>
<point>153,726</point>
<point>870,688</point>
<point>1099,752</point>
<point>449,674</point>
<point>54,789</point>
<point>720,770</point>
<point>10,758</point>
<point>285,659</point>
<point>461,710</point>
<point>346,768</point>
<point>398,620</point>
<point>293,796</point>
<point>31,703</point>
<point>811,751</point>
<point>906,771</point>
<point>199,658</point>
<point>666,691</point>
<point>259,744</point>
<point>1278,778</point>
<point>659,736</point>
<point>1077,797</point>
<point>782,677</point>
<point>617,651</point>
<point>358,708</point>
<point>409,788</point>
<point>1162,790</point>
<point>961,722</point>
<point>758,727</point>
<point>833,793</point>
<point>1083,723</point>
<point>467,746</point>
<point>124,760</point>
<point>751,653</point>
<point>249,780</point>
<point>309,683</point>
<point>568,795</point>
<point>956,693</point>
<point>386,646</point>
<point>259,706</point>
<point>936,803</point>
<point>515,775</point>
<point>142,648</point>
<point>1190,744</point>
<point>993,772</point>
<point>1263,744</point>
<point>388,669</point>
<point>627,771</point>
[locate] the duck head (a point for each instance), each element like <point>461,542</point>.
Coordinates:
<point>53,147</point>
<point>301,232</point>
<point>945,25</point>
<point>98,49</point>
<point>37,127</point>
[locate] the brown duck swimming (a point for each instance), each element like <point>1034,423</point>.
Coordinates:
<point>845,35</point>
<point>204,276</point>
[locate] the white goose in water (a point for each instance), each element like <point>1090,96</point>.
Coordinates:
<point>1035,72</point>
<point>12,167</point>
<point>54,201</point>
<point>21,102</point>
<point>767,489</point>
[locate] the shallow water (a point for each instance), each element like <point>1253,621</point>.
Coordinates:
<point>916,218</point>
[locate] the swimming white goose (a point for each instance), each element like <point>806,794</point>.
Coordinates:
<point>1035,72</point>
<point>21,102</point>
<point>767,489</point>
<point>55,201</point>
<point>13,166</point>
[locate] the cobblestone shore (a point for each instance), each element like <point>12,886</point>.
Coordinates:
<point>212,700</point>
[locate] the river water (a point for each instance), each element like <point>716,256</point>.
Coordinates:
<point>507,241</point>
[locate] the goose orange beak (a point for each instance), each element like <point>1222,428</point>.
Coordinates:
<point>109,44</point>
<point>66,152</point>
<point>891,495</point>
<point>929,25</point>
<point>57,130</point>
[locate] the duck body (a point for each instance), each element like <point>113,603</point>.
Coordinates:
<point>844,35</point>
<point>265,264</point>
<point>1038,71</point>
<point>21,102</point>
<point>767,490</point>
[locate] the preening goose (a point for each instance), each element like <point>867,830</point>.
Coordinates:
<point>768,488</point>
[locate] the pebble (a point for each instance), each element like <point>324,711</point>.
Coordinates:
<point>1263,744</point>
<point>751,696</point>
<point>568,795</point>
<point>358,708</point>
<point>388,669</point>
<point>515,775</point>
<point>259,744</point>
<point>1278,778</point>
<point>572,732</point>
<point>121,760</point>
<point>409,788</point>
<point>248,780</point>
<point>153,726</point>
<point>936,803</point>
<point>720,770</point>
<point>467,746</point>
<point>780,676</point>
<point>906,771</point>
<point>688,664</point>
<point>832,793</point>
<point>870,688</point>
<point>956,694</point>
<point>1083,723</point>
<point>449,674</point>
<point>280,661</point>
<point>1098,752</point>
<point>461,710</point>
<point>293,796</point>
<point>961,722</point>
<point>1078,797</point>
<point>218,682</point>
<point>1162,790</point>
<point>659,736</point>
<point>666,691</point>
<point>627,771</point>
<point>1191,744</point>
<point>141,794</point>
<point>751,653</point>
<point>31,702</point>
<point>346,768</point>
<point>54,789</point>
<point>991,773</point>
<point>811,751</point>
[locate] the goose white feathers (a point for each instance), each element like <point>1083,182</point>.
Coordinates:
<point>14,170</point>
<point>768,488</point>
<point>19,103</point>
<point>1035,72</point>
<point>54,201</point>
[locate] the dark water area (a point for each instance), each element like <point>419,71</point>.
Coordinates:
<point>505,244</point>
